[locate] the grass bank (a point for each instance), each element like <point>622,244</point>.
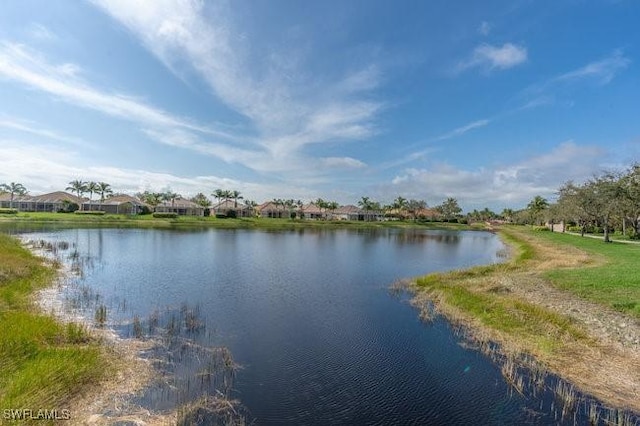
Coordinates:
<point>43,363</point>
<point>142,221</point>
<point>557,300</point>
<point>615,284</point>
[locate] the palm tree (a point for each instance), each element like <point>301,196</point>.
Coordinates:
<point>13,189</point>
<point>507,214</point>
<point>332,206</point>
<point>236,196</point>
<point>536,207</point>
<point>151,198</point>
<point>321,204</point>
<point>92,188</point>
<point>79,187</point>
<point>219,194</point>
<point>104,189</point>
<point>171,196</point>
<point>366,205</point>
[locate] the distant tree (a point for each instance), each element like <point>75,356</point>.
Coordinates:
<point>321,204</point>
<point>170,196</point>
<point>332,206</point>
<point>151,198</point>
<point>104,189</point>
<point>79,187</point>
<point>219,194</point>
<point>630,199</point>
<point>414,206</point>
<point>507,214</point>
<point>14,189</point>
<point>235,195</point>
<point>92,188</point>
<point>449,208</point>
<point>536,207</point>
<point>201,200</point>
<point>251,205</point>
<point>366,204</point>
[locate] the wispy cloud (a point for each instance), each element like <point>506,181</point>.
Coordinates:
<point>287,105</point>
<point>462,130</point>
<point>27,126</point>
<point>488,57</point>
<point>343,162</point>
<point>484,28</point>
<point>41,33</point>
<point>602,71</point>
<point>23,162</point>
<point>23,65</point>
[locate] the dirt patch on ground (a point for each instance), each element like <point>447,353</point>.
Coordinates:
<point>605,365</point>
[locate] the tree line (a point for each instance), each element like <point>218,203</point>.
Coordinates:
<point>607,202</point>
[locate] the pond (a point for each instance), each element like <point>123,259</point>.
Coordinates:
<point>308,317</point>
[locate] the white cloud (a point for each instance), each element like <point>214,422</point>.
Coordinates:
<point>25,163</point>
<point>490,57</point>
<point>501,186</point>
<point>463,129</point>
<point>288,106</point>
<point>603,70</point>
<point>26,126</point>
<point>20,64</point>
<point>343,162</point>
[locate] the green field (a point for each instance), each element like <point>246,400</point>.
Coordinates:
<point>615,284</point>
<point>43,363</point>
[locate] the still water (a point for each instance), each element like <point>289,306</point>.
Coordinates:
<point>308,317</point>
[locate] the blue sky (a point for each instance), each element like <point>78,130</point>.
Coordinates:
<point>489,102</point>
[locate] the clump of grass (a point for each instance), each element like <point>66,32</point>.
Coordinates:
<point>101,315</point>
<point>137,327</point>
<point>211,410</point>
<point>43,363</point>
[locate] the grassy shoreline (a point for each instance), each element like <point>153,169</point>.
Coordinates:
<point>44,363</point>
<point>144,221</point>
<point>527,305</point>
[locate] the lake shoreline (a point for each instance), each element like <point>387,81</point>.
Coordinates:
<point>572,338</point>
<point>130,372</point>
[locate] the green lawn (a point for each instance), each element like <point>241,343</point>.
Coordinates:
<point>615,284</point>
<point>43,363</point>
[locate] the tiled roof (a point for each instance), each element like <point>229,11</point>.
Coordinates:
<point>56,197</point>
<point>180,203</point>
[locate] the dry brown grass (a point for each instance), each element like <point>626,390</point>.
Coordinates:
<point>515,306</point>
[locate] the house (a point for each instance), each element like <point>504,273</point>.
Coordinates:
<point>119,204</point>
<point>271,209</point>
<point>312,211</point>
<point>349,212</point>
<point>51,202</point>
<point>226,206</point>
<point>180,206</point>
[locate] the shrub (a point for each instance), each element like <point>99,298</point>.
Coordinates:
<point>8,211</point>
<point>540,228</point>
<point>162,215</point>
<point>145,210</point>
<point>221,216</point>
<point>90,212</point>
<point>68,207</point>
